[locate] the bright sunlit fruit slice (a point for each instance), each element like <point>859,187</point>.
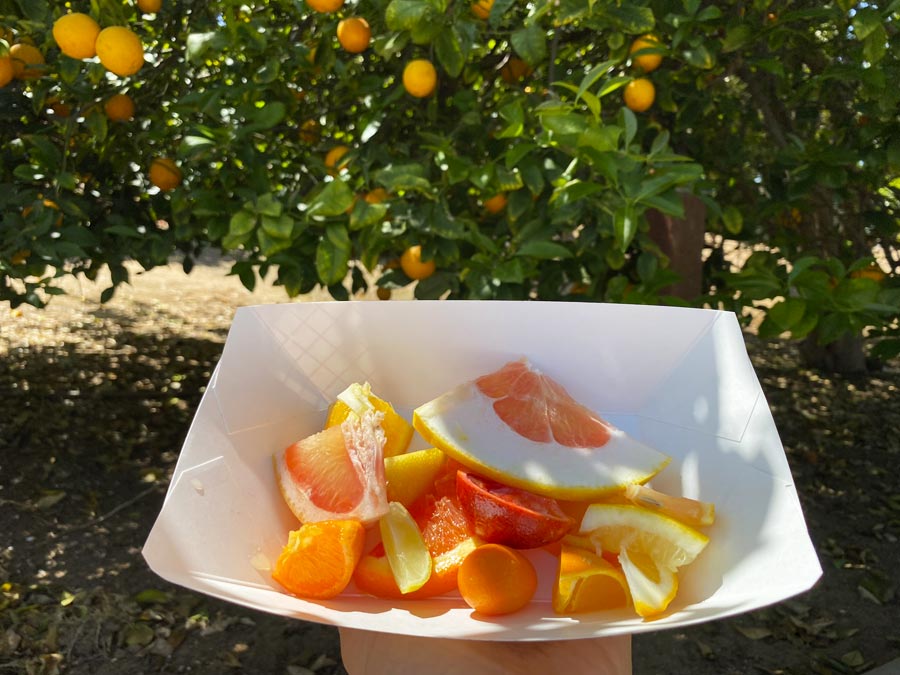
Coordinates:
<point>405,549</point>
<point>501,514</point>
<point>652,587</point>
<point>522,428</point>
<point>337,473</point>
<point>319,558</point>
<point>495,579</point>
<point>689,511</point>
<point>358,398</point>
<point>411,475</point>
<point>669,543</point>
<point>586,582</point>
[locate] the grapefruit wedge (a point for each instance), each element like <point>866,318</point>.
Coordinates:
<point>521,427</point>
<point>336,474</point>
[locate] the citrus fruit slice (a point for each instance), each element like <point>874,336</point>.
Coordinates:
<point>411,475</point>
<point>495,579</point>
<point>357,398</point>
<point>501,514</point>
<point>405,549</point>
<point>652,587</point>
<point>520,427</point>
<point>689,511</point>
<point>337,473</point>
<point>668,542</point>
<point>586,582</point>
<point>319,558</point>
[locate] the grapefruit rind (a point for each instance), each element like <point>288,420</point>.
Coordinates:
<point>463,424</point>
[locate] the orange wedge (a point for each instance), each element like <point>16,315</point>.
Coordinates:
<point>586,582</point>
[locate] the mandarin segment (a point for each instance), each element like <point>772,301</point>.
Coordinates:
<point>357,398</point>
<point>586,582</point>
<point>319,558</point>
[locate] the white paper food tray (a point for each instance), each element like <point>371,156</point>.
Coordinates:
<point>677,379</point>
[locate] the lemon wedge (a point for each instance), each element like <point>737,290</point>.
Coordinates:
<point>652,587</point>
<point>405,548</point>
<point>669,542</point>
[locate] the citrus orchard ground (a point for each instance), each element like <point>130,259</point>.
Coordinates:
<point>108,393</point>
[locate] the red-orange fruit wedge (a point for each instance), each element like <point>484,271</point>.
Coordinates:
<point>520,427</point>
<point>319,558</point>
<point>501,514</point>
<point>336,474</point>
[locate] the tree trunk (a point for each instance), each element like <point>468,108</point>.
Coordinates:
<point>844,356</point>
<point>681,239</point>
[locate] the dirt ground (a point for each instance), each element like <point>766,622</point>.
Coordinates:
<point>95,401</point>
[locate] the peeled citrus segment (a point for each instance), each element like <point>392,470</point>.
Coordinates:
<point>357,399</point>
<point>337,473</point>
<point>319,558</point>
<point>652,587</point>
<point>689,511</point>
<point>669,543</point>
<point>520,427</point>
<point>586,582</point>
<point>411,475</point>
<point>405,549</point>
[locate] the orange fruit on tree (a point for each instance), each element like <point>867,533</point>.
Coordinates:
<point>514,70</point>
<point>20,257</point>
<point>119,107</point>
<point>319,558</point>
<point>337,473</point>
<point>7,73</point>
<point>165,174</point>
<point>587,582</point>
<point>419,78</point>
<point>495,204</point>
<point>76,35</point>
<point>59,108</point>
<point>149,6</point>
<point>309,131</point>
<point>505,423</point>
<point>357,399</point>
<point>325,6</point>
<point>482,8</point>
<point>646,62</point>
<point>333,159</point>
<point>495,579</point>
<point>376,196</point>
<point>639,94</point>
<point>412,264</point>
<point>48,204</point>
<point>27,60</point>
<point>120,50</point>
<point>354,34</point>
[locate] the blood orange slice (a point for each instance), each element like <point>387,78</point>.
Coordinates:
<point>521,427</point>
<point>336,474</point>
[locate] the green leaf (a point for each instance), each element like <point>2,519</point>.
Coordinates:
<point>241,223</point>
<point>543,250</point>
<point>593,75</point>
<point>699,57</point>
<point>518,151</point>
<point>628,17</point>
<point>564,124</point>
<point>399,177</point>
<point>624,226</point>
<point>530,43</point>
<point>788,313</point>
<point>333,255</point>
<point>732,219</point>
<point>408,14</point>
<point>450,51</point>
<point>333,200</point>
<point>866,20</point>
<point>514,117</point>
<point>279,227</point>
<point>269,245</point>
<point>268,205</point>
<point>573,191</point>
<point>365,214</point>
<point>647,265</point>
<point>832,327</point>
<point>197,44</point>
<point>737,37</point>
<point>266,117</point>
<point>629,121</point>
<point>875,45</point>
<point>601,138</point>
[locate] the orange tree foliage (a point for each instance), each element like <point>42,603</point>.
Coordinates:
<point>780,116</point>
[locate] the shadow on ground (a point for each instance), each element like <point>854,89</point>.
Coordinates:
<point>91,424</point>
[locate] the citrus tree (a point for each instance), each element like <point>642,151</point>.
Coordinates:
<point>491,150</point>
